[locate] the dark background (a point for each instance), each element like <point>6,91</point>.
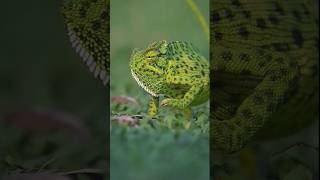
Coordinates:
<point>53,113</point>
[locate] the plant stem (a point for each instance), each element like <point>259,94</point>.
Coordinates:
<point>200,17</point>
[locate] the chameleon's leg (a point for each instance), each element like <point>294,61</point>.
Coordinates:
<point>186,100</point>
<point>230,135</point>
<point>187,113</point>
<point>153,106</point>
<point>187,116</point>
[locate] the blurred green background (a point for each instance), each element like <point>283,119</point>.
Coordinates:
<point>53,113</point>
<point>161,148</point>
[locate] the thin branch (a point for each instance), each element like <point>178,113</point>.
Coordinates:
<point>200,17</point>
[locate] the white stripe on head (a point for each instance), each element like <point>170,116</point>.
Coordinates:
<point>142,85</point>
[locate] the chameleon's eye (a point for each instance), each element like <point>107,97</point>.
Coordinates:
<point>151,54</point>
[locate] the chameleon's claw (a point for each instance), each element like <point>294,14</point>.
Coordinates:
<point>165,102</point>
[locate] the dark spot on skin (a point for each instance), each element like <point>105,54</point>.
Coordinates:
<point>296,15</point>
<point>231,109</point>
<point>305,10</point>
<point>283,72</point>
<point>278,8</point>
<point>244,57</point>
<point>265,47</point>
<point>273,20</point>
<point>274,78</point>
<point>270,108</point>
<point>258,99</point>
<point>236,3</point>
<point>226,55</point>
<point>218,36</point>
<point>280,60</point>
<point>85,4</point>
<point>202,73</point>
<point>246,14</point>
<point>245,72</point>
<point>243,32</point>
<point>246,113</point>
<point>293,64</point>
<point>274,75</point>
<point>314,70</point>
<point>215,17</point>
<point>268,93</point>
<point>281,47</point>
<point>297,37</point>
<point>262,64</point>
<point>104,14</point>
<point>260,51</point>
<point>261,23</point>
<point>96,25</point>
<point>268,57</point>
<point>294,82</point>
<point>83,12</point>
<point>228,14</point>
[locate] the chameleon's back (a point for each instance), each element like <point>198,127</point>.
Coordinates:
<point>250,33</point>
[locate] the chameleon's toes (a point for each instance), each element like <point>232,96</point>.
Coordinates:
<point>187,125</point>
<point>165,102</point>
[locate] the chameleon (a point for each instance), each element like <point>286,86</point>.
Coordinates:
<point>174,69</point>
<point>87,23</point>
<point>263,70</point>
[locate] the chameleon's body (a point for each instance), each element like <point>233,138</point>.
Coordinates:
<point>87,24</point>
<point>264,69</point>
<point>175,70</point>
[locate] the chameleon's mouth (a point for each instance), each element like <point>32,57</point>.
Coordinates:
<point>87,58</point>
<point>142,85</point>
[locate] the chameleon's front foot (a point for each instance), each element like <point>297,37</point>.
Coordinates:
<point>178,103</point>
<point>153,106</point>
<point>175,103</point>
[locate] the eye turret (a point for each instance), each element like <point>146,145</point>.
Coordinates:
<point>152,53</point>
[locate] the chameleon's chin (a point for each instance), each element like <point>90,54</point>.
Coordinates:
<point>140,83</point>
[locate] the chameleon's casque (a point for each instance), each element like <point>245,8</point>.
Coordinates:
<point>87,24</point>
<point>173,69</point>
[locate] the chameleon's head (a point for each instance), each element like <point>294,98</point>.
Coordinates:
<point>147,65</point>
<point>152,56</point>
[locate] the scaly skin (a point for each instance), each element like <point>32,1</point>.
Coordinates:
<point>175,70</point>
<point>264,69</point>
<point>87,24</point>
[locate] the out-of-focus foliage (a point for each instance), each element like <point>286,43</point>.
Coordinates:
<point>49,100</point>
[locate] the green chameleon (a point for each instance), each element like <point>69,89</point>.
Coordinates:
<point>87,24</point>
<point>175,70</point>
<point>264,69</point>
